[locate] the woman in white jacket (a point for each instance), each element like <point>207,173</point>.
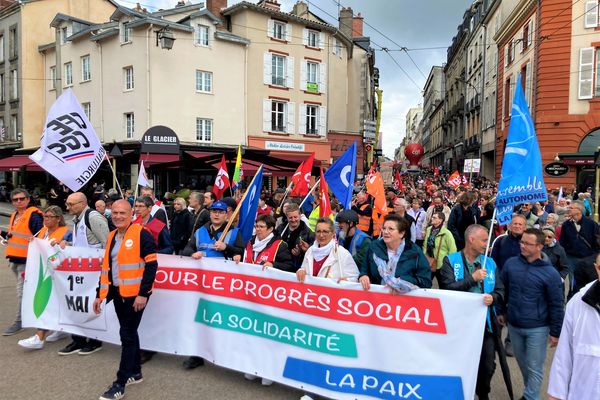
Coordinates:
<point>325,258</point>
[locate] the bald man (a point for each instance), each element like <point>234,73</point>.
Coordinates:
<point>131,245</point>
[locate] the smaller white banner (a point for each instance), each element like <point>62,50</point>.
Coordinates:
<point>287,146</point>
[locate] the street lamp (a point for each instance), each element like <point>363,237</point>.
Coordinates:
<point>166,38</point>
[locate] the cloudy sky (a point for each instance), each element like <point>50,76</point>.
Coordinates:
<point>424,27</point>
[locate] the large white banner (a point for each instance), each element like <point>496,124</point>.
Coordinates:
<point>70,149</point>
<point>327,338</point>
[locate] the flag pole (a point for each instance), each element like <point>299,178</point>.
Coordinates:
<point>303,201</point>
<point>237,209</point>
<point>489,241</point>
<point>287,190</point>
<point>114,174</point>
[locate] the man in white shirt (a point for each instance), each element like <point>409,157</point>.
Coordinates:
<point>417,212</point>
<point>575,369</point>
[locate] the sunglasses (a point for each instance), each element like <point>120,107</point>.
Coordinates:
<point>15,199</point>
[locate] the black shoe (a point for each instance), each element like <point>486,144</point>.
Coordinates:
<point>90,348</point>
<point>193,362</point>
<point>508,349</point>
<point>115,392</point>
<point>71,348</point>
<point>132,380</point>
<point>146,356</point>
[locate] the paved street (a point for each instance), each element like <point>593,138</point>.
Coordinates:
<point>26,375</point>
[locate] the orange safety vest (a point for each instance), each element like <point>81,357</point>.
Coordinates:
<point>130,263</point>
<point>58,234</point>
<point>377,223</point>
<point>19,233</point>
<point>364,221</point>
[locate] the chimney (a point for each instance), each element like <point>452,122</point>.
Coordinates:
<point>300,9</point>
<point>346,21</point>
<point>215,7</point>
<point>270,4</point>
<point>357,26</point>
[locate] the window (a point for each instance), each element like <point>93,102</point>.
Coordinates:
<point>14,83</point>
<point>125,33</point>
<point>129,125</point>
<point>12,42</point>
<point>53,78</point>
<point>312,120</point>
<point>278,114</point>
<point>202,35</point>
<point>14,128</point>
<point>86,73</point>
<point>2,95</point>
<point>312,39</point>
<point>68,74</point>
<point>204,129</point>
<point>203,81</point>
<point>87,109</point>
<point>2,130</point>
<point>1,48</point>
<point>128,83</point>
<point>586,73</point>
<point>313,79</point>
<point>337,47</point>
<point>278,70</point>
<point>64,34</point>
<point>591,14</point>
<point>279,30</point>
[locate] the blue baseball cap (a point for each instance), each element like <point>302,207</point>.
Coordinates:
<point>218,205</point>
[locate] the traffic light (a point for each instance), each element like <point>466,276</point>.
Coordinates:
<point>369,147</point>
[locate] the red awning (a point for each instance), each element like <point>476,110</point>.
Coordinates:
<point>151,159</point>
<point>198,154</point>
<point>15,163</point>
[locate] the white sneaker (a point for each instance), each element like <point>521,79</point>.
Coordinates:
<point>34,343</point>
<point>56,336</point>
<point>306,397</point>
<point>250,377</point>
<point>266,382</point>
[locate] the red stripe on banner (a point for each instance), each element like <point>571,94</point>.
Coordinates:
<point>80,265</point>
<point>81,156</point>
<point>394,311</point>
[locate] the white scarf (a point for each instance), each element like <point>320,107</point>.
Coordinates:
<point>259,245</point>
<point>320,253</point>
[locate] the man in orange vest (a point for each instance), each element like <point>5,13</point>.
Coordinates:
<point>128,270</point>
<point>24,223</point>
<point>364,210</point>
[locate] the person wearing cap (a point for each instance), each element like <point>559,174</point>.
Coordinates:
<point>555,252</point>
<point>354,240</point>
<point>209,243</point>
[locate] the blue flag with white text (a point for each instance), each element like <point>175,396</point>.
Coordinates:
<point>250,207</point>
<point>522,180</point>
<point>340,176</point>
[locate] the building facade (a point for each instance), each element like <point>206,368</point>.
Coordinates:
<point>433,95</point>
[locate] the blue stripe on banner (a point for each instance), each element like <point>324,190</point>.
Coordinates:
<point>77,154</point>
<point>369,382</point>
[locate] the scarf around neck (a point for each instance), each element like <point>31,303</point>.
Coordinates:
<point>320,253</point>
<point>259,245</point>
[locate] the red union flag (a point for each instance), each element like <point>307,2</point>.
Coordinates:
<point>301,177</point>
<point>398,182</point>
<point>222,179</point>
<point>375,188</point>
<point>455,180</point>
<point>324,204</point>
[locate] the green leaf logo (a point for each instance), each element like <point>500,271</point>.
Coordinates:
<point>42,291</point>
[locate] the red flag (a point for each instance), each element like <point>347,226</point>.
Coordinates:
<point>375,188</point>
<point>436,172</point>
<point>465,181</point>
<point>222,179</point>
<point>398,182</point>
<point>301,177</point>
<point>455,180</point>
<point>324,204</point>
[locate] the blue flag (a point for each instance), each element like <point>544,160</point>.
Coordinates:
<point>250,207</point>
<point>522,180</point>
<point>340,176</point>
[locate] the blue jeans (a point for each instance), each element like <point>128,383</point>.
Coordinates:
<point>529,346</point>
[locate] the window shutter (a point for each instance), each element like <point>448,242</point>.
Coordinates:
<point>303,75</point>
<point>530,33</point>
<point>305,37</point>
<point>266,115</point>
<point>333,45</point>
<point>289,76</point>
<point>514,48</point>
<point>323,78</point>
<point>591,14</point>
<point>302,120</point>
<point>270,28</point>
<point>586,72</point>
<point>267,68</point>
<point>506,55</point>
<point>288,32</point>
<point>290,118</point>
<point>322,121</point>
<point>321,40</point>
<point>528,85</point>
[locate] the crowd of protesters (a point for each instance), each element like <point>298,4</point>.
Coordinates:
<point>433,235</point>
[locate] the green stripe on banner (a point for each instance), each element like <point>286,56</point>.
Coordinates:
<point>243,320</point>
